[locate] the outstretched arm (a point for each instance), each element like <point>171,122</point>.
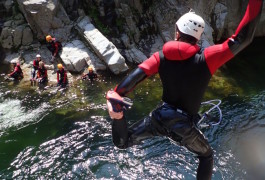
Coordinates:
<point>15,70</point>
<point>147,68</point>
<point>218,55</point>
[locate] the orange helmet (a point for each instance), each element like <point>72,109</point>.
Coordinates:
<point>48,38</point>
<point>60,66</point>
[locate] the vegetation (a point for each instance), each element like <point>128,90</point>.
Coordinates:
<point>94,14</point>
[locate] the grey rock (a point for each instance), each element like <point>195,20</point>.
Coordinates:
<point>134,32</point>
<point>220,13</point>
<point>11,57</point>
<point>8,4</point>
<point>104,49</point>
<point>7,43</point>
<point>46,17</point>
<point>27,36</point>
<point>8,23</point>
<point>75,56</point>
<point>135,55</point>
<point>261,28</point>
<point>56,23</point>
<point>6,31</point>
<point>19,16</point>
<point>18,35</point>
<point>6,38</point>
<point>125,40</point>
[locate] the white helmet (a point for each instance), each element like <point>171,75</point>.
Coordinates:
<point>191,24</point>
<point>38,56</point>
<point>14,61</point>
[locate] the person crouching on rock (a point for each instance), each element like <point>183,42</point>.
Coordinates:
<point>91,75</point>
<point>35,66</point>
<point>55,47</point>
<point>62,80</point>
<point>42,75</point>
<point>17,74</point>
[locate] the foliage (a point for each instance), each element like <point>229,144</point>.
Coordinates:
<point>94,14</point>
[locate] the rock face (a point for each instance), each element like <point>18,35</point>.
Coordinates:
<point>261,29</point>
<point>105,50</point>
<point>46,17</point>
<point>222,17</point>
<point>135,55</point>
<point>141,27</point>
<point>16,33</point>
<point>75,56</point>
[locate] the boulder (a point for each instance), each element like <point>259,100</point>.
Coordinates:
<point>46,17</point>
<point>15,36</point>
<point>134,32</point>
<point>104,49</point>
<point>6,39</point>
<point>125,40</point>
<point>8,4</point>
<point>27,37</point>
<point>261,28</point>
<point>75,56</point>
<point>18,32</point>
<point>135,55</point>
<point>220,13</point>
<point>11,57</point>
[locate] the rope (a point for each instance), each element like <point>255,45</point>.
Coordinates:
<point>215,105</point>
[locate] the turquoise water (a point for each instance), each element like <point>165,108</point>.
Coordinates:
<point>67,135</point>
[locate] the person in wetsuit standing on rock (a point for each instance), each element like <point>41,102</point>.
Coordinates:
<point>185,71</point>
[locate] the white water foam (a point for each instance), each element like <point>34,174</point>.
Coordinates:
<point>13,115</point>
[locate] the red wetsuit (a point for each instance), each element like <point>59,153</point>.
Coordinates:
<point>36,64</point>
<point>62,76</point>
<point>17,73</point>
<point>42,74</point>
<point>54,47</point>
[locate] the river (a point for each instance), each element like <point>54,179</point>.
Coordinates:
<point>67,134</point>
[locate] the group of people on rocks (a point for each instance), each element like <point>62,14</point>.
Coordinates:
<point>39,71</point>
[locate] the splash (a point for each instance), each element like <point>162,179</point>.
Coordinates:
<point>14,116</point>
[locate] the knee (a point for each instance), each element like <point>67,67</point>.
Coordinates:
<point>207,152</point>
<point>207,155</point>
<point>120,143</point>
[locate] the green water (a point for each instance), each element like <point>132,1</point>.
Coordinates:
<point>67,135</point>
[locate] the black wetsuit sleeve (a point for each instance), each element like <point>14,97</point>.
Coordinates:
<point>217,55</point>
<point>130,82</point>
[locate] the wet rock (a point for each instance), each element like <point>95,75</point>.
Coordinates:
<point>75,56</point>
<point>104,49</point>
<point>46,17</point>
<point>135,55</point>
